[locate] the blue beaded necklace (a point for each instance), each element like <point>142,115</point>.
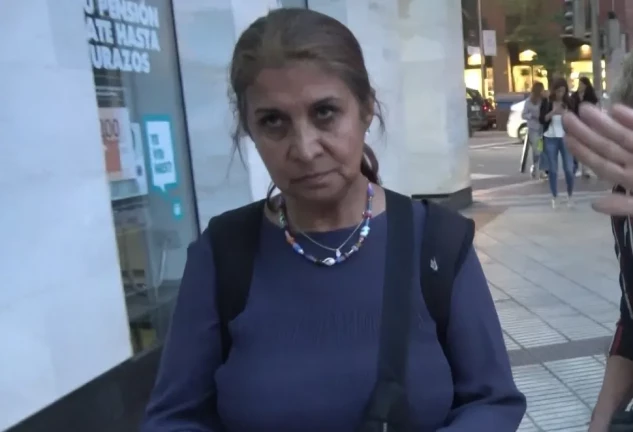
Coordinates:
<point>339,256</point>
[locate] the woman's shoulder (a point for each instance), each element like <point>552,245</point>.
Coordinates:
<point>252,212</point>
<point>444,218</point>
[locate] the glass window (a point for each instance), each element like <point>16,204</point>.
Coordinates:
<point>526,75</point>
<point>132,47</point>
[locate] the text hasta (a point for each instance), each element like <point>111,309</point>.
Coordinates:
<point>121,34</point>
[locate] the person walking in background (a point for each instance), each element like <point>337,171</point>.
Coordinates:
<point>604,142</point>
<point>551,117</point>
<point>531,113</point>
<point>584,93</point>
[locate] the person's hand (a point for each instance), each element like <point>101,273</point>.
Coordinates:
<point>604,143</point>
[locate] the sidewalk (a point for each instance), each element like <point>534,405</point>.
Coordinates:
<point>553,275</point>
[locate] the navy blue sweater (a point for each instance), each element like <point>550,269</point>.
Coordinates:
<point>304,351</point>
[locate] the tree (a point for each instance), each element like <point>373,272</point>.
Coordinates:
<point>538,27</point>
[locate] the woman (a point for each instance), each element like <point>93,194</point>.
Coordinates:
<point>303,356</point>
<point>584,93</point>
<point>551,117</point>
<point>531,113</point>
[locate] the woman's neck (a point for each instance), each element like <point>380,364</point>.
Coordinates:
<point>345,212</point>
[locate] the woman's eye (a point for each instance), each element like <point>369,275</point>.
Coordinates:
<point>271,121</point>
<point>325,112</point>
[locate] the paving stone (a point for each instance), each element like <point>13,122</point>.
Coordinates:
<point>551,404</point>
<point>527,425</point>
<point>582,375</point>
<point>554,279</point>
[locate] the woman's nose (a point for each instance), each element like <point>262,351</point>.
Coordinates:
<point>306,145</point>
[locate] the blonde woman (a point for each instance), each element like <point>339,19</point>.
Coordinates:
<point>531,113</point>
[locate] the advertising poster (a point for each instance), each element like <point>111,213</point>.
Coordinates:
<point>116,134</point>
<point>161,152</point>
<point>123,39</point>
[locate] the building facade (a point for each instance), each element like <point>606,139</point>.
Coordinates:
<point>515,68</point>
<point>117,152</point>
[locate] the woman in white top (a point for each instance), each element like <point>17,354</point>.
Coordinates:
<point>552,110</point>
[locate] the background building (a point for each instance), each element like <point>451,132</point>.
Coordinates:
<point>517,65</point>
<point>117,152</point>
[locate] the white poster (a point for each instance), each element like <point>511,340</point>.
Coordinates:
<point>161,154</point>
<point>489,39</point>
<point>116,135</point>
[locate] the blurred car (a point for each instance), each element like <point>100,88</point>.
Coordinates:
<point>517,126</point>
<point>476,115</point>
<point>491,113</point>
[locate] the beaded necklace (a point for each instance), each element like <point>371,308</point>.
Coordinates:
<point>339,256</point>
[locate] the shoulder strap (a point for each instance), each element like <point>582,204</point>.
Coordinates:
<point>234,239</point>
<point>446,240</point>
<point>387,409</point>
<point>397,285</point>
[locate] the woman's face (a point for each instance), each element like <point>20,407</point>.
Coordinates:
<point>560,93</point>
<point>308,129</point>
<point>538,92</point>
<point>581,86</point>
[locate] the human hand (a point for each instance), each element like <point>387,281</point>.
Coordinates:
<point>604,143</point>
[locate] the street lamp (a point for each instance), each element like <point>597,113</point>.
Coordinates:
<point>481,50</point>
<point>596,52</point>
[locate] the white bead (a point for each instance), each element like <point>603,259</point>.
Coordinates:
<point>329,261</point>
<point>364,231</point>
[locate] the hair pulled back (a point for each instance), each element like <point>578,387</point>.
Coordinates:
<point>286,35</point>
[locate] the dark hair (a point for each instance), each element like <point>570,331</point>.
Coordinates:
<point>290,34</point>
<point>590,92</point>
<point>558,83</point>
<point>537,86</point>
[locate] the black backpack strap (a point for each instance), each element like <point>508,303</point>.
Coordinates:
<point>234,239</point>
<point>446,240</point>
<point>387,409</point>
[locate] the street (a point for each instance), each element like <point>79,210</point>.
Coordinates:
<point>554,278</point>
<point>495,162</point>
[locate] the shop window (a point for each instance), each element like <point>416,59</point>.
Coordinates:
<point>472,79</point>
<point>584,68</point>
<point>132,47</point>
<point>526,75</point>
